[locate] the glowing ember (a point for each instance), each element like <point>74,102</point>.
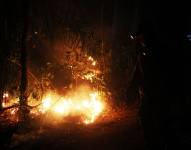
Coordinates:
<point>87,105</point>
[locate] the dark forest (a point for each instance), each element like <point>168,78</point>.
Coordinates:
<point>99,74</point>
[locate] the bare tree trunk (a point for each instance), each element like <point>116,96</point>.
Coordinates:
<point>1,84</point>
<point>23,62</point>
<point>3,55</point>
<point>1,93</point>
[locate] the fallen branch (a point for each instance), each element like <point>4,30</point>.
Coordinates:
<point>17,105</point>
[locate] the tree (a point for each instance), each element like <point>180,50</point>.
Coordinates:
<point>23,61</point>
<point>4,51</point>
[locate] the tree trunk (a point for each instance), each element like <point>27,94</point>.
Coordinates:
<point>1,84</point>
<point>4,52</point>
<point>1,96</point>
<point>23,62</point>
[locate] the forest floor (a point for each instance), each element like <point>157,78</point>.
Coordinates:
<point>122,130</point>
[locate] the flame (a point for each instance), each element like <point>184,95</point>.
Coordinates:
<point>92,73</point>
<point>5,95</point>
<point>89,76</point>
<point>88,105</point>
<point>3,104</point>
<point>83,102</point>
<point>8,100</point>
<point>14,111</point>
<point>90,58</point>
<point>93,63</point>
<point>46,103</point>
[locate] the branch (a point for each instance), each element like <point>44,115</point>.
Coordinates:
<point>17,105</point>
<point>6,108</point>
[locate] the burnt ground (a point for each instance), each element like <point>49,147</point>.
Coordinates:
<point>119,130</point>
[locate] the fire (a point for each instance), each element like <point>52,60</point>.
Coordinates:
<point>46,103</point>
<point>13,111</point>
<point>82,101</point>
<point>93,63</point>
<point>93,72</point>
<point>88,105</point>
<point>3,104</point>
<point>8,100</point>
<point>89,76</point>
<point>5,95</point>
<point>90,58</point>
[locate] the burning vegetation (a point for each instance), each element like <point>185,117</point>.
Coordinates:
<point>83,100</point>
<point>70,86</point>
<point>83,103</point>
<point>66,71</point>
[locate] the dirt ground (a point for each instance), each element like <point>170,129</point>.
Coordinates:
<point>119,130</point>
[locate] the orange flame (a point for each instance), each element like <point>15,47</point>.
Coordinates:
<point>88,105</point>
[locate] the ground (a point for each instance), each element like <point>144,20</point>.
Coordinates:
<point>121,130</point>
